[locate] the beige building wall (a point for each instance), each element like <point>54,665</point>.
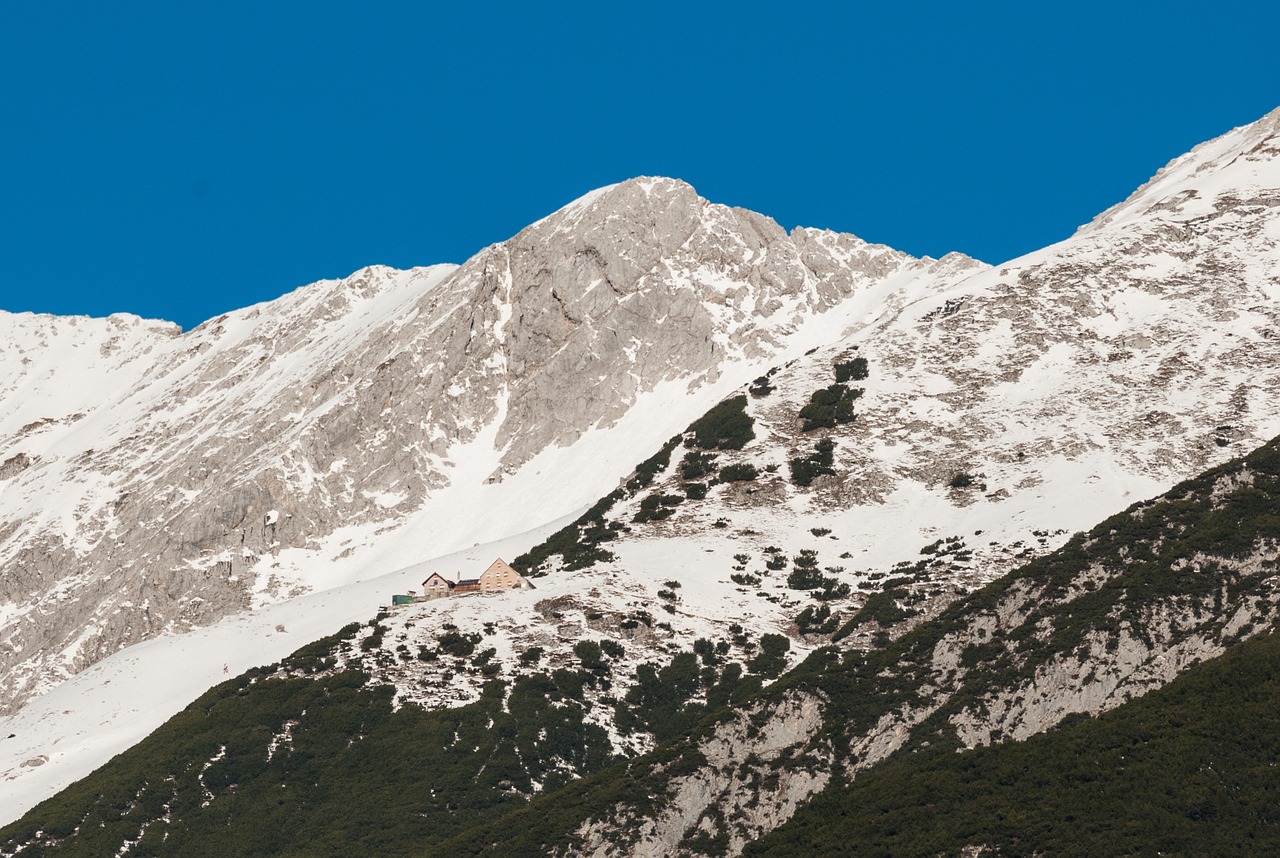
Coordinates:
<point>500,576</point>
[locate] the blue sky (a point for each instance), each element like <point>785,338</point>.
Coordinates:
<point>178,164</point>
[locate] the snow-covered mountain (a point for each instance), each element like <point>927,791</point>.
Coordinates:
<point>157,481</point>
<point>254,477</point>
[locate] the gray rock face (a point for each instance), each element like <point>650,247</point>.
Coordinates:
<point>153,481</point>
<point>743,791</point>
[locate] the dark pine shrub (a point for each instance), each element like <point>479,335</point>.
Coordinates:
<point>851,370</point>
<point>727,426</point>
<point>740,473</point>
<point>805,469</point>
<point>829,407</point>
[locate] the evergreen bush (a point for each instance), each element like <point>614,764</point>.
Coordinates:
<point>727,426</point>
<point>851,370</point>
<point>829,407</point>
<point>805,469</point>
<point>739,473</point>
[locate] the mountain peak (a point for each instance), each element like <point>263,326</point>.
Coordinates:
<point>1241,162</point>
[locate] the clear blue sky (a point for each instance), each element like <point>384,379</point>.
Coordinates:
<point>177,164</point>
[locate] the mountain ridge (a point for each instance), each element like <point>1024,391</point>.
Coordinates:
<point>1069,381</point>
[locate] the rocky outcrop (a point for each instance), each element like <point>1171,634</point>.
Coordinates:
<point>757,768</point>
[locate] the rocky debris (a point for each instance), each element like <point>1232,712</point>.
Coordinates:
<point>743,790</point>
<point>14,464</point>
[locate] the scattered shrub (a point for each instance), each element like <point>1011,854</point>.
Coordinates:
<point>805,469</point>
<point>851,370</point>
<point>578,544</point>
<point>760,387</point>
<point>457,644</point>
<point>695,464</point>
<point>652,466</point>
<point>727,426</point>
<point>805,578</point>
<point>590,654</point>
<point>829,407</point>
<point>695,491</point>
<point>832,589</point>
<point>817,619</point>
<point>531,656</point>
<point>657,506</point>
<point>704,650</point>
<point>739,473</point>
<point>773,656</point>
<point>960,480</point>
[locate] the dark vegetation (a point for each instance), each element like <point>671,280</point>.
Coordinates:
<point>829,407</point>
<point>696,491</point>
<point>1188,770</point>
<point>695,465</point>
<point>851,370</point>
<point>741,472</point>
<point>727,426</point>
<point>817,620</point>
<point>580,545</point>
<point>832,406</point>
<point>761,386</point>
<point>657,506</point>
<point>806,469</point>
<point>659,702</point>
<point>356,777</point>
<point>930,800</point>
<point>806,576</point>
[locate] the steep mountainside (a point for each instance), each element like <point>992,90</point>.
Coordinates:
<point>314,756</point>
<point>1188,769</point>
<point>896,433</point>
<point>1110,616</point>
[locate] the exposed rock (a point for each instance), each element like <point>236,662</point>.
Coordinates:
<point>741,791</point>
